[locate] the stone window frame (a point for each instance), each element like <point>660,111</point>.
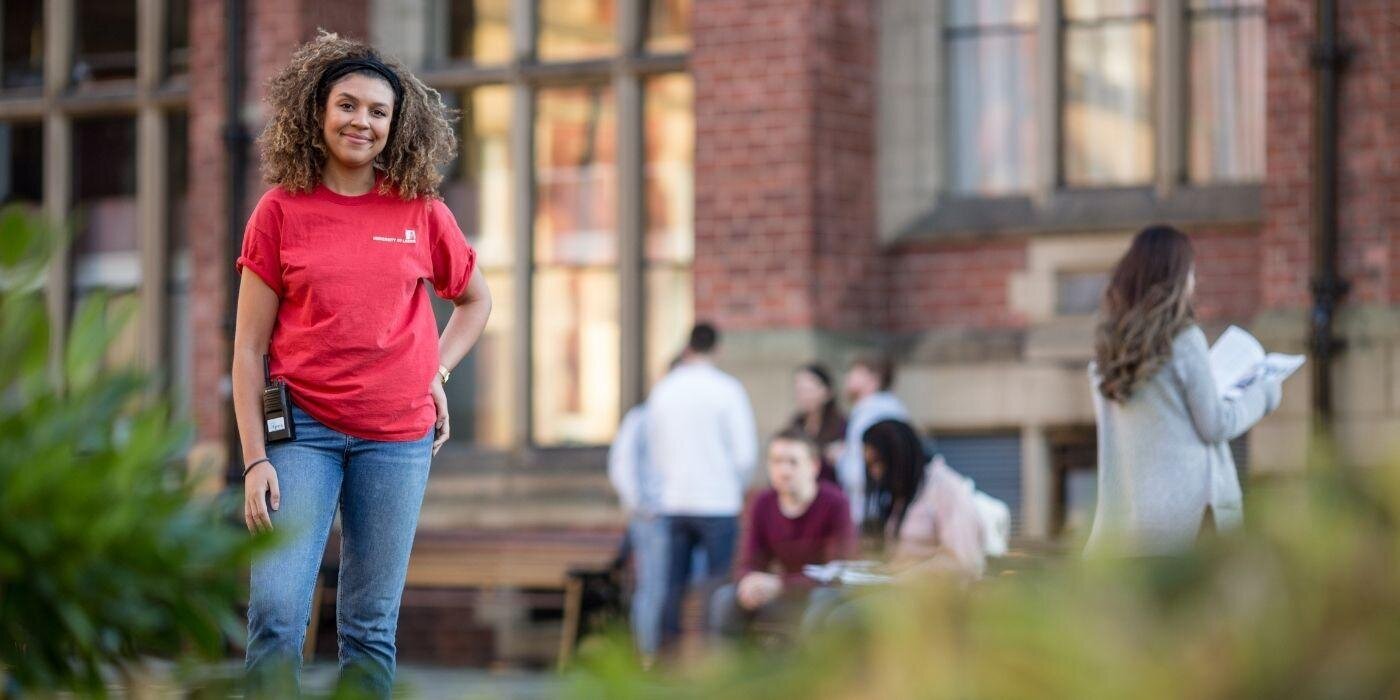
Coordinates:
<point>627,71</point>
<point>912,154</point>
<point>150,100</point>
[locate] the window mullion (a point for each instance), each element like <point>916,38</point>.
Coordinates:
<point>58,151</point>
<point>1170,92</point>
<point>524,26</point>
<point>631,305</point>
<point>151,190</point>
<point>522,216</point>
<point>1051,99</point>
<point>150,46</point>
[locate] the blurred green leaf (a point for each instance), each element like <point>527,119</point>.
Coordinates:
<point>107,554</point>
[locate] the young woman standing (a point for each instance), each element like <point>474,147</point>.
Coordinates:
<point>335,263</point>
<point>1165,469</point>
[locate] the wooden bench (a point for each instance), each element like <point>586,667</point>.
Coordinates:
<point>527,560</point>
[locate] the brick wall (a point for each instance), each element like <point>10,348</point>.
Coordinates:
<point>1369,151</point>
<point>954,285</point>
<point>852,282</point>
<point>206,220</point>
<point>1227,273</point>
<point>784,165</point>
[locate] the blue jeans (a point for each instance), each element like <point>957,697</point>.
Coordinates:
<point>379,489</point>
<point>650,540</point>
<point>728,619</point>
<point>716,536</point>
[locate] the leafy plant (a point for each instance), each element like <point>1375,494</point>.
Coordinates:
<point>107,554</point>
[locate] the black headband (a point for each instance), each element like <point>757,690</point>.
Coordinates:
<point>346,66</point>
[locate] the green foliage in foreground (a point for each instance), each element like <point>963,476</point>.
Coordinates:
<point>1303,604</point>
<point>106,552</point>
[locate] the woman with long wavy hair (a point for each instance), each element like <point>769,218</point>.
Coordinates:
<point>1165,469</point>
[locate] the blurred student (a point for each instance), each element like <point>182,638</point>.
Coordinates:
<point>798,521</point>
<point>703,442</point>
<point>818,416</point>
<point>921,513</point>
<point>1165,469</point>
<point>868,383</point>
<point>639,489</point>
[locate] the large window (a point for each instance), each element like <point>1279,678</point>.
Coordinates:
<point>1107,81</point>
<point>992,104</point>
<point>575,184</point>
<point>104,151</point>
<point>1072,114</point>
<point>1226,140</point>
<point>482,394</point>
<point>576,350</point>
<point>669,244</point>
<point>106,245</point>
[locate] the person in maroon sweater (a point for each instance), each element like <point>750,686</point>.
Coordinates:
<point>799,521</point>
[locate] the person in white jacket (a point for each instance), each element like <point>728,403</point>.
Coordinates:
<point>702,439</point>
<point>868,383</point>
<point>1165,470</point>
<point>638,488</point>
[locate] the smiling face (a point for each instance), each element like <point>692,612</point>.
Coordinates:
<point>355,126</point>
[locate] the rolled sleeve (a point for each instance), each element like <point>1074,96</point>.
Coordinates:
<point>453,259</point>
<point>261,253</point>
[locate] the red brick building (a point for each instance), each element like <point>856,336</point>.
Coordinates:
<point>949,181</point>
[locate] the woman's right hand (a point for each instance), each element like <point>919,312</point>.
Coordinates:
<point>260,488</point>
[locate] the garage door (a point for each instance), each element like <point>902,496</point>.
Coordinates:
<point>993,460</point>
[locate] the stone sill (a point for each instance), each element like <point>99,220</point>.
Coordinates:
<point>978,218</point>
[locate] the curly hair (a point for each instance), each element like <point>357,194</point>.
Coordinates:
<point>293,150</point>
<point>1146,305</point>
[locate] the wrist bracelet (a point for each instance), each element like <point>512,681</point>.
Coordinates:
<point>255,463</point>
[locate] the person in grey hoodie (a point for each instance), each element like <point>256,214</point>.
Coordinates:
<point>1165,469</point>
<point>868,383</point>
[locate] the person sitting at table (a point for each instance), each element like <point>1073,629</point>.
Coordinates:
<point>796,522</point>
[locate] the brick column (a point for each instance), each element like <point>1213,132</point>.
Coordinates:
<point>784,169</point>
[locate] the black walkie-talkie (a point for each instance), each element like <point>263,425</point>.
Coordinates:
<point>277,407</point>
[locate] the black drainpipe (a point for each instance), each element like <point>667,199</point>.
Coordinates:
<point>1329,59</point>
<point>236,139</point>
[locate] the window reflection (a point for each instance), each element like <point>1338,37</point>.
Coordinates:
<point>22,156</point>
<point>575,310</point>
<point>478,31</point>
<point>106,254</point>
<point>572,30</point>
<point>23,50</point>
<point>993,107</point>
<point>1108,126</point>
<point>481,396</point>
<point>1226,127</point>
<point>177,33</point>
<point>105,36</point>
<point>179,345</point>
<point>669,181</point>
<point>668,26</point>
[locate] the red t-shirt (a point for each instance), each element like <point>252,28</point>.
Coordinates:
<point>355,338</point>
